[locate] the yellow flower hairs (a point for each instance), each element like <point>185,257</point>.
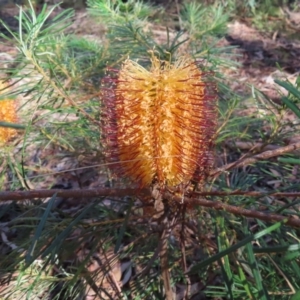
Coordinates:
<point>158,124</point>
<point>7,114</point>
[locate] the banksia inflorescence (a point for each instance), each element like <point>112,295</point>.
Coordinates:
<point>158,125</point>
<point>8,113</point>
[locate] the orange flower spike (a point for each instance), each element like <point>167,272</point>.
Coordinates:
<point>159,123</point>
<point>7,114</point>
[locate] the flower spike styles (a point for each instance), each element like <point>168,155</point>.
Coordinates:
<point>8,113</point>
<point>159,124</point>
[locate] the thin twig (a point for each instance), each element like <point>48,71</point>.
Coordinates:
<point>162,212</point>
<point>76,193</point>
<point>251,160</point>
<point>243,161</point>
<point>183,255</point>
<point>164,261</point>
<point>240,211</point>
<point>217,205</point>
<point>109,192</point>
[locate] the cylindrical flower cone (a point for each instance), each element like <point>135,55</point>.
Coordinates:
<point>158,124</point>
<point>8,113</point>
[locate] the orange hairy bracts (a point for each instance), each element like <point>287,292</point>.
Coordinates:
<point>158,125</point>
<point>7,114</point>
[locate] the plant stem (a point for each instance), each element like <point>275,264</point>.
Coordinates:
<point>251,160</point>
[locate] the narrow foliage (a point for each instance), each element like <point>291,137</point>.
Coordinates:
<point>159,123</point>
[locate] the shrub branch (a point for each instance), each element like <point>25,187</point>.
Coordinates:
<point>251,160</point>
<point>217,205</point>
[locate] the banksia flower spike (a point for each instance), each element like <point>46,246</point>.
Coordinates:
<point>158,125</point>
<point>7,114</point>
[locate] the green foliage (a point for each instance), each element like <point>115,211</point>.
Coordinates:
<point>65,252</point>
<point>202,21</point>
<point>119,12</point>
